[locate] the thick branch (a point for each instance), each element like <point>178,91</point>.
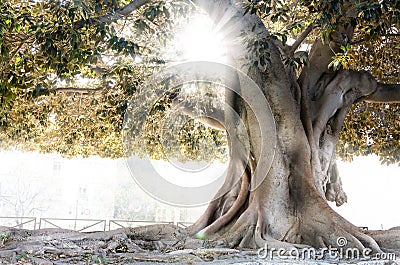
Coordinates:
<point>385,93</point>
<point>342,91</point>
<point>18,37</point>
<point>77,90</point>
<point>121,12</point>
<point>321,55</point>
<point>16,51</point>
<point>301,38</point>
<point>213,117</point>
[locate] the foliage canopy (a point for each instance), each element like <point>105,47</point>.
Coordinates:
<point>69,69</point>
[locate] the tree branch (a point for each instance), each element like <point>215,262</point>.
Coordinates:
<point>18,37</point>
<point>121,12</point>
<point>212,117</point>
<point>16,51</point>
<point>77,89</point>
<point>385,93</point>
<point>301,38</point>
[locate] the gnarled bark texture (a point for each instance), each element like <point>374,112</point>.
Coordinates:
<point>290,206</point>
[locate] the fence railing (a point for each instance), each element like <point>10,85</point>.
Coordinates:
<point>114,224</point>
<point>19,222</point>
<point>184,224</point>
<point>81,225</point>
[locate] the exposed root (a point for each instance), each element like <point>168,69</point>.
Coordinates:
<point>310,220</point>
<point>233,211</point>
<point>271,243</point>
<point>323,227</point>
<point>223,201</point>
<point>204,219</point>
<point>244,227</point>
<point>336,236</point>
<point>238,233</point>
<point>387,239</point>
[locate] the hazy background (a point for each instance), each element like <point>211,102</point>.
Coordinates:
<point>49,186</point>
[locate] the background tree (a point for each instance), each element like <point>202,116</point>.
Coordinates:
<point>47,47</point>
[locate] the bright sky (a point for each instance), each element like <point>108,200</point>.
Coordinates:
<point>373,193</point>
<point>372,188</point>
<point>190,174</point>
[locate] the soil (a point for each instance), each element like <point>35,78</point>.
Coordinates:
<point>156,244</point>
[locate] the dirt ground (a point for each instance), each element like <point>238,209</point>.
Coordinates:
<point>158,244</point>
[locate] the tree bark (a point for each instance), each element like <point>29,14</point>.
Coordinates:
<point>108,18</point>
<point>290,206</point>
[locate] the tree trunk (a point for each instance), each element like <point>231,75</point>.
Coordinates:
<point>289,207</point>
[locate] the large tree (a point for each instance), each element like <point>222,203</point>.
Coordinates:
<point>354,58</point>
